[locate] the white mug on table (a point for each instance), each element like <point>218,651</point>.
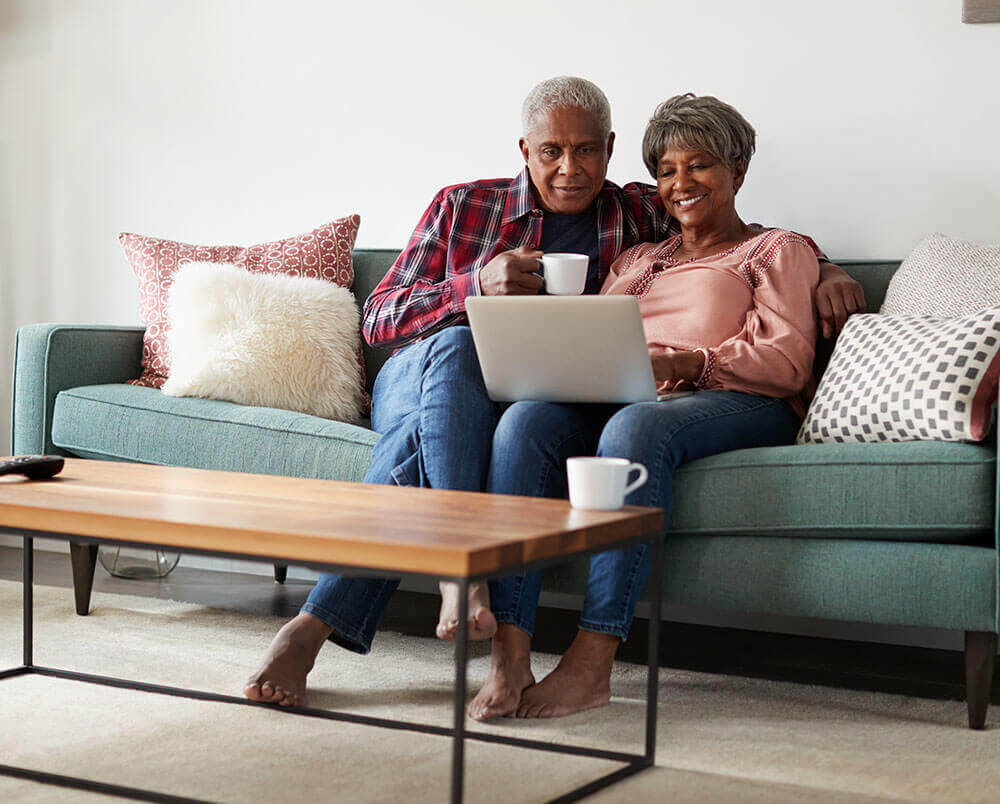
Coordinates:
<point>565,274</point>
<point>602,483</point>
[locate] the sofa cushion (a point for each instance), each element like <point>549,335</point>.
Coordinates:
<point>894,491</point>
<point>931,491</point>
<point>134,423</point>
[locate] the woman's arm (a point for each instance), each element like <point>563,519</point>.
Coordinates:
<point>838,296</point>
<point>773,352</point>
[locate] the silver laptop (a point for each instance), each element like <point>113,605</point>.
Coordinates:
<point>562,348</point>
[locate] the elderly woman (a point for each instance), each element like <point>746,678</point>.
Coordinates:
<point>728,312</point>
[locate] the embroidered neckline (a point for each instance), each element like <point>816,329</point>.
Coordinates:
<point>662,257</point>
<point>724,253</point>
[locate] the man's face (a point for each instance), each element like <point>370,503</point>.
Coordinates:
<point>567,157</point>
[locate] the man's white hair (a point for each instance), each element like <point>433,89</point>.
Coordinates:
<point>563,91</point>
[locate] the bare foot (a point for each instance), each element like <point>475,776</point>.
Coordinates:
<point>581,680</point>
<point>282,677</point>
<point>510,675</point>
<point>482,623</point>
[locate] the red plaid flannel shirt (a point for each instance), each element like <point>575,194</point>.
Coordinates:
<point>467,225</point>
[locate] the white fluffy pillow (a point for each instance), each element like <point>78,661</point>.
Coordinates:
<point>945,277</point>
<point>268,340</point>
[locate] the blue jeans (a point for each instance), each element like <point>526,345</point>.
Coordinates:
<point>436,420</point>
<point>534,439</point>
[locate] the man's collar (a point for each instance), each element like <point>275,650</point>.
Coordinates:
<point>521,201</point>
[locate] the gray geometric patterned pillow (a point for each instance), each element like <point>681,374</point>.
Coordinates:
<point>908,378</point>
<point>945,277</point>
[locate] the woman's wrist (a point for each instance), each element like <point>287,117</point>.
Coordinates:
<point>688,366</point>
<point>694,368</point>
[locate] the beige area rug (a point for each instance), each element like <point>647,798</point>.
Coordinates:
<point>721,738</point>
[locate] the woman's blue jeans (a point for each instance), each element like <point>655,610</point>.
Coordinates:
<point>436,422</point>
<point>533,440</point>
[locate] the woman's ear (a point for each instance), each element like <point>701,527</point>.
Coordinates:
<point>739,173</point>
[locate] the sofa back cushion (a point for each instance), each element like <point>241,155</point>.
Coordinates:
<point>370,265</point>
<point>874,277</point>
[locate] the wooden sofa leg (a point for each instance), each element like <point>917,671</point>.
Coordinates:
<point>280,572</point>
<point>84,559</point>
<point>980,650</point>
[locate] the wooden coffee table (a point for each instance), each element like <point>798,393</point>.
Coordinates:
<point>351,528</point>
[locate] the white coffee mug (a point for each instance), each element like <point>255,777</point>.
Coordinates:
<point>565,274</point>
<point>602,483</point>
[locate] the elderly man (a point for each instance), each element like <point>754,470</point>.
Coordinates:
<point>430,404</point>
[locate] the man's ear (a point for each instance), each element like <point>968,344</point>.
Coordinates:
<point>611,144</point>
<point>523,145</point>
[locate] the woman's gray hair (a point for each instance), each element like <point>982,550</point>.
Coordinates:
<point>563,91</point>
<point>698,123</point>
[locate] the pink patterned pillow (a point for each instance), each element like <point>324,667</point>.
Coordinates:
<point>323,253</point>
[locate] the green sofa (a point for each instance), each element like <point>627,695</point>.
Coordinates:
<point>896,534</point>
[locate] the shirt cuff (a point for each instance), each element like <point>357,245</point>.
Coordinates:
<point>462,287</point>
<point>708,369</point>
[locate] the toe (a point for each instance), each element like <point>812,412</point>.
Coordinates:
<point>447,630</point>
<point>528,711</point>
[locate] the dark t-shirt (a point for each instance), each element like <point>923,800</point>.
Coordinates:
<point>576,234</point>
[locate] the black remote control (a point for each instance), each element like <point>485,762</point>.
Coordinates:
<point>34,467</point>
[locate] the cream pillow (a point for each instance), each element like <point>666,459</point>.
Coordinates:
<point>268,340</point>
<point>945,277</point>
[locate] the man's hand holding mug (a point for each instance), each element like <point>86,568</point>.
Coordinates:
<point>515,273</point>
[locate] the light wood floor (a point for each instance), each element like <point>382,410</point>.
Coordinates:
<point>839,663</point>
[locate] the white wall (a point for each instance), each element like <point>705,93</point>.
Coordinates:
<point>239,121</point>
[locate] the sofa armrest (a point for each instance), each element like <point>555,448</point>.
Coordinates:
<point>49,358</point>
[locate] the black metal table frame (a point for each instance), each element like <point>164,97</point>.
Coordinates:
<point>633,763</point>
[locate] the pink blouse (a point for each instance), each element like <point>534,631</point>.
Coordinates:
<point>750,310</point>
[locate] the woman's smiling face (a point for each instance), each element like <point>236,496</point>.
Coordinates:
<point>696,187</point>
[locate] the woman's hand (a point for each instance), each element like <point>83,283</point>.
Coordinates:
<point>676,364</point>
